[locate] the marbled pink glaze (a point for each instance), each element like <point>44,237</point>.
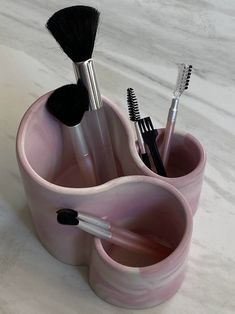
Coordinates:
<point>40,152</point>
<point>146,286</point>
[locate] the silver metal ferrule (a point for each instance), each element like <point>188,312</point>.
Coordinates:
<point>86,72</point>
<point>101,223</point>
<point>173,110</point>
<point>96,231</point>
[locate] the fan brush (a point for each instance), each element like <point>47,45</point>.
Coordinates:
<point>75,28</point>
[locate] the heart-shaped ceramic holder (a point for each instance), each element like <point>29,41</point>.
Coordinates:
<point>138,199</point>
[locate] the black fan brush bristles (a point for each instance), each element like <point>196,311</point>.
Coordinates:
<point>68,103</point>
<point>74,28</point>
<point>133,107</point>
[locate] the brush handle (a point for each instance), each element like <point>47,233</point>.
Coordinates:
<point>82,154</point>
<point>124,239</point>
<point>150,140</point>
<point>157,158</point>
<point>169,130</point>
<point>100,145</point>
<point>167,141</point>
<point>139,240</point>
<point>146,160</point>
<point>143,154</point>
<point>136,246</point>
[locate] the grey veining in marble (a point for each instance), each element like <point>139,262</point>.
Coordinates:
<point>139,44</point>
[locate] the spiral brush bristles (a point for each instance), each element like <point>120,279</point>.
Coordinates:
<point>183,79</point>
<point>133,108</point>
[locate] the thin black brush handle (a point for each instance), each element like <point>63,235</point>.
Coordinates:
<point>146,160</point>
<point>156,157</point>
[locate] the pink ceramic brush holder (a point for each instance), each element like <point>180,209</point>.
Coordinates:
<point>155,209</point>
<point>138,199</point>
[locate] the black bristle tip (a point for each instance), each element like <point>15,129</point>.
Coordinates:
<point>75,28</point>
<point>67,217</point>
<point>68,211</point>
<point>133,109</point>
<point>68,103</point>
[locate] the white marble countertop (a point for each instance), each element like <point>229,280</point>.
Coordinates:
<point>138,45</point>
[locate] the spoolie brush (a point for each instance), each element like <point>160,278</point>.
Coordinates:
<point>75,28</point>
<point>182,83</point>
<point>134,116</point>
<point>68,105</point>
<point>133,107</point>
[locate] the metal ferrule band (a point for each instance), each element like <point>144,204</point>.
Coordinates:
<point>86,72</point>
<point>173,110</point>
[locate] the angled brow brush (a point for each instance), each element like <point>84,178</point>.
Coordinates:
<point>184,73</point>
<point>134,116</point>
<point>68,105</point>
<point>74,28</point>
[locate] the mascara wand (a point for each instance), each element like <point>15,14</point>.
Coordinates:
<point>134,116</point>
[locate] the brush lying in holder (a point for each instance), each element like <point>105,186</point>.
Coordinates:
<point>116,235</point>
<point>68,105</point>
<point>184,73</point>
<point>134,116</point>
<point>74,28</point>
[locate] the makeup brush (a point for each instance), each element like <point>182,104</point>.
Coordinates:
<point>149,134</point>
<point>68,104</point>
<point>74,28</point>
<point>116,235</point>
<point>134,116</point>
<point>184,73</point>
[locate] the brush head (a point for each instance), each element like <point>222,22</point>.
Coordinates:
<point>133,108</point>
<point>69,103</point>
<point>183,79</point>
<point>74,28</point>
<point>67,217</point>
